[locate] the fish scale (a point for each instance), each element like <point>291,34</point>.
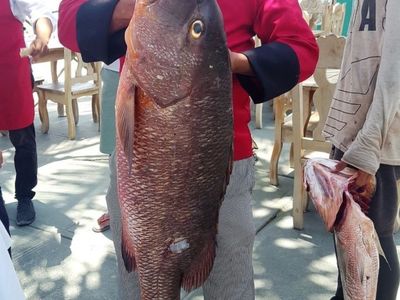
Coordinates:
<point>174,143</point>
<point>358,257</point>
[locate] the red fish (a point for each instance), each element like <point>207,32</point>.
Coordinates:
<point>174,142</point>
<point>337,201</point>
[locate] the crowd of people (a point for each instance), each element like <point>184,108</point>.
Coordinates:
<point>288,55</point>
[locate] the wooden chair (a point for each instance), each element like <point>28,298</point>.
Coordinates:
<point>80,79</point>
<point>283,110</point>
<point>330,57</point>
<point>333,18</point>
<point>329,15</point>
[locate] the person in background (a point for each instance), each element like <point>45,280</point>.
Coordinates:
<point>287,56</point>
<point>3,212</point>
<point>110,77</point>
<point>16,100</point>
<point>364,120</point>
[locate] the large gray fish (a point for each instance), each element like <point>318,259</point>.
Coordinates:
<point>174,142</point>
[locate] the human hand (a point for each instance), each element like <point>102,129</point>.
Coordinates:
<point>38,47</point>
<point>361,179</point>
<point>43,29</point>
<point>240,64</point>
<point>361,186</point>
<point>122,15</point>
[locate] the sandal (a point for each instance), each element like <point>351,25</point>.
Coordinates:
<point>103,223</point>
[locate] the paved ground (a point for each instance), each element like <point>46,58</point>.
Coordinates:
<point>60,257</point>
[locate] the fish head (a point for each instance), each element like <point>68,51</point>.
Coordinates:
<point>175,47</point>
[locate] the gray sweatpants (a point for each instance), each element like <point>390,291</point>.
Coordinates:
<point>232,274</point>
<point>231,277</point>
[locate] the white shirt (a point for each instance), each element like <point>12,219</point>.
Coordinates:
<point>114,66</point>
<point>10,289</point>
<point>34,9</point>
<point>364,119</point>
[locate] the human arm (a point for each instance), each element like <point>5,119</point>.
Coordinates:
<point>43,29</point>
<point>42,22</point>
<point>95,27</point>
<point>288,54</point>
<point>365,152</point>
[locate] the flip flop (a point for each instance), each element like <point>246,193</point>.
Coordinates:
<point>103,223</point>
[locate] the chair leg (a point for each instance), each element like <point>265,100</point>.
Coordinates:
<point>43,113</point>
<point>291,156</point>
<point>298,202</point>
<point>95,108</point>
<point>71,120</point>
<point>259,108</point>
<point>273,166</point>
<point>60,110</point>
<point>75,110</point>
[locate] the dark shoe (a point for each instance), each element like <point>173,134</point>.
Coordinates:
<point>25,212</point>
<point>337,298</point>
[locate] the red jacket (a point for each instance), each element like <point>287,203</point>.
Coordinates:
<point>16,101</point>
<point>289,53</point>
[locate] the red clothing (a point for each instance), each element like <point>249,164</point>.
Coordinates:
<point>242,21</point>
<point>16,101</point>
<point>278,23</point>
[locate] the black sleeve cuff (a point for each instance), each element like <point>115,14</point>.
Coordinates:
<point>277,70</point>
<point>95,42</point>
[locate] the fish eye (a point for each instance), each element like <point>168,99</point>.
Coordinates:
<point>197,29</point>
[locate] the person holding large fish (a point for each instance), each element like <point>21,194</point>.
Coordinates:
<point>363,125</point>
<point>174,130</point>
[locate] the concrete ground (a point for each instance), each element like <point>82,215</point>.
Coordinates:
<point>60,257</point>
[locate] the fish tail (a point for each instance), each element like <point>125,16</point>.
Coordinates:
<point>380,250</point>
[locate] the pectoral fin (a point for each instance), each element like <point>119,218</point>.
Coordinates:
<point>125,114</point>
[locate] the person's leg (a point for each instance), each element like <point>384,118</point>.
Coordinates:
<point>128,283</point>
<point>232,274</point>
<point>25,162</point>
<point>383,212</point>
<point>337,155</point>
<point>107,113</point>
